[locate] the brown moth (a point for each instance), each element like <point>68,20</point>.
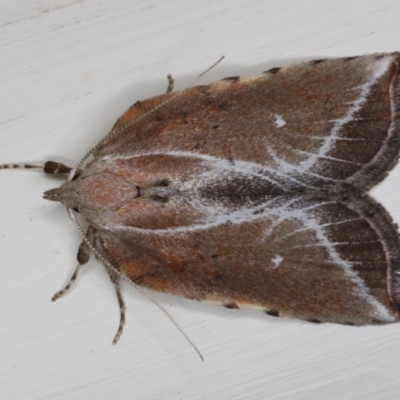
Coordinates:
<point>253,192</point>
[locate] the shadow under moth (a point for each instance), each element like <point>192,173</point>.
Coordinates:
<point>252,192</point>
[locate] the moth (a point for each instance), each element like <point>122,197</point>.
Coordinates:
<point>252,192</point>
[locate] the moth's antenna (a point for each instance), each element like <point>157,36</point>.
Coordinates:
<point>22,166</point>
<point>162,104</point>
<point>124,277</point>
<point>49,167</point>
<point>167,314</point>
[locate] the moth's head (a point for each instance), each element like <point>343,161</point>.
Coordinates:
<point>97,197</point>
<point>66,194</point>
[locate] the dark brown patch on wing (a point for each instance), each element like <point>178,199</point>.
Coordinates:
<point>231,305</point>
<point>273,71</point>
<point>232,79</point>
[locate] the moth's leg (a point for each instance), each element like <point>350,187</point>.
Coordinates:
<point>115,279</point>
<point>53,167</point>
<point>171,82</point>
<point>83,257</point>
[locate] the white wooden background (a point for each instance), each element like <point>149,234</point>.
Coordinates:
<point>68,69</point>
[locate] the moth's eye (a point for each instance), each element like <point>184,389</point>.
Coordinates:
<point>76,210</point>
<point>76,176</point>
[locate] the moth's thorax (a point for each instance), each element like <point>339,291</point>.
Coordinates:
<point>105,192</point>
<point>96,196</point>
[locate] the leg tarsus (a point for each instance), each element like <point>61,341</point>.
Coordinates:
<point>83,257</point>
<point>121,312</point>
<point>115,280</point>
<point>69,284</point>
<point>171,82</point>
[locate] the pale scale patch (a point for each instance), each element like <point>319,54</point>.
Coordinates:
<point>279,121</point>
<point>288,168</point>
<point>276,261</point>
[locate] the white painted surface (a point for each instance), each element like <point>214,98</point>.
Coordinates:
<point>68,69</point>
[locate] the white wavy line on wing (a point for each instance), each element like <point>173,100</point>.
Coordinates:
<point>381,67</point>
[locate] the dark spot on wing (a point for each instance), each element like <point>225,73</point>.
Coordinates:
<point>161,199</point>
<point>163,182</point>
<point>240,190</point>
<point>314,321</point>
<point>315,62</point>
<point>370,213</point>
<point>260,211</point>
<point>272,313</point>
<point>138,280</point>
<point>232,79</point>
<point>348,58</point>
<point>273,70</point>
<point>184,116</point>
<point>231,305</point>
<point>215,126</point>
